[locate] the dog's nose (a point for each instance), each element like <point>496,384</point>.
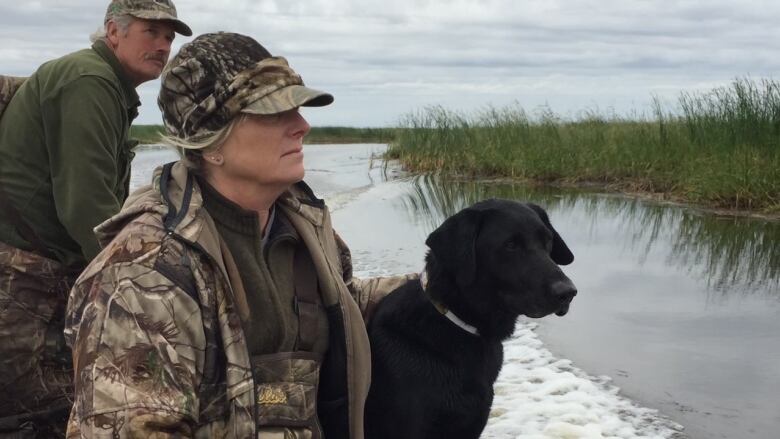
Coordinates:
<point>564,290</point>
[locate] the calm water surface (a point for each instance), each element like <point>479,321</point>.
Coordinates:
<point>680,308</point>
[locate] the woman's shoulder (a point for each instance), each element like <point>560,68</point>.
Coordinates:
<point>145,251</point>
<point>135,241</point>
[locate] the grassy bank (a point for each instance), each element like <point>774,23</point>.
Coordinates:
<point>720,148</point>
<point>323,135</point>
<point>148,134</point>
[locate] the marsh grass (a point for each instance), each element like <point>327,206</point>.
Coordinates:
<point>720,148</point>
<point>325,135</point>
<point>147,134</point>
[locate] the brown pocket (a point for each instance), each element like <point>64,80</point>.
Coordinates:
<point>286,390</point>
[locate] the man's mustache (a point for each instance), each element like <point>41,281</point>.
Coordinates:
<point>156,57</point>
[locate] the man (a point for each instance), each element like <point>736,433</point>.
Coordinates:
<point>64,168</point>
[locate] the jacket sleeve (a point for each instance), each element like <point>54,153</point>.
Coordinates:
<point>138,350</point>
<point>367,292</point>
<point>83,130</point>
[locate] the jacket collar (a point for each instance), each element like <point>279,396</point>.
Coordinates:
<point>301,199</point>
<point>132,101</point>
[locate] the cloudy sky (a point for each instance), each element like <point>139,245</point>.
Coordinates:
<point>382,59</point>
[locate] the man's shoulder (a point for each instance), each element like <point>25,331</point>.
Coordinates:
<point>84,61</point>
<point>85,66</point>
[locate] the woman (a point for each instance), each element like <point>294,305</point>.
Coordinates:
<point>223,303</point>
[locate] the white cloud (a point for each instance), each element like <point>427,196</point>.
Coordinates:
<point>382,59</point>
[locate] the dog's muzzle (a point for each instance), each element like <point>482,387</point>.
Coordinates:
<point>563,293</point>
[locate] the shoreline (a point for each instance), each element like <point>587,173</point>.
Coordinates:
<point>624,189</point>
<point>621,189</point>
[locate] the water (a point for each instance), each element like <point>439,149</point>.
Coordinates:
<point>677,308</point>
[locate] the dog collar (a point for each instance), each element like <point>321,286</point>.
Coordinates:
<point>443,310</point>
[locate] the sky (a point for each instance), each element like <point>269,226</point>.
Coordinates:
<point>383,60</point>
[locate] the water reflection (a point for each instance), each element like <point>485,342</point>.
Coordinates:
<point>729,254</point>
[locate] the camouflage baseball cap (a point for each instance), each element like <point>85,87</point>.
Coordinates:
<point>148,10</point>
<point>217,76</point>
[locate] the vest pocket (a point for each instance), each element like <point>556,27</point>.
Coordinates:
<point>286,393</point>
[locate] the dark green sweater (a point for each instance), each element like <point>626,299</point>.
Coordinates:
<point>266,268</point>
<point>64,152</point>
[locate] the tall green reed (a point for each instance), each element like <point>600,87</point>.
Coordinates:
<point>719,147</point>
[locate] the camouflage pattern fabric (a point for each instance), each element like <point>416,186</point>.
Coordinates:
<point>36,385</point>
<point>287,392</point>
<point>216,76</point>
<point>148,10</point>
<point>158,344</point>
<point>8,87</point>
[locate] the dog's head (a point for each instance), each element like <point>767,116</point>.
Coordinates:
<point>504,258</point>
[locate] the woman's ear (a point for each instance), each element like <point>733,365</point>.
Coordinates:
<point>214,158</point>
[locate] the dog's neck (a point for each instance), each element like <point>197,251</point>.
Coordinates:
<point>442,308</point>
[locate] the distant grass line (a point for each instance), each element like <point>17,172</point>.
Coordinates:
<point>324,135</point>
<point>146,134</point>
<point>720,148</point>
<point>150,134</point>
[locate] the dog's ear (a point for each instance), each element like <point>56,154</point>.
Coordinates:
<point>560,254</point>
<point>454,244</point>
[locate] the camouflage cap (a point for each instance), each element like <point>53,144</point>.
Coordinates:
<point>148,10</point>
<point>219,75</point>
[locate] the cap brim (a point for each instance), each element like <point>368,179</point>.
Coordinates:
<point>178,25</point>
<point>287,98</point>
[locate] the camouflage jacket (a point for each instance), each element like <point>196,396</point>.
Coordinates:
<point>8,87</point>
<point>154,321</point>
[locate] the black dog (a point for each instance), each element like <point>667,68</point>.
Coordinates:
<point>436,343</point>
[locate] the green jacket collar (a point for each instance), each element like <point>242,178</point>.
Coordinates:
<point>132,101</point>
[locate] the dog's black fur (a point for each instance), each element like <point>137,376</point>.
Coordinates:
<point>488,264</point>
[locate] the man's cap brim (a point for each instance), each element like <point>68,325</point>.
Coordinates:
<point>287,98</point>
<point>179,26</point>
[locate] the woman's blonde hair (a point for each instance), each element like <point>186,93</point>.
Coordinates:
<point>191,151</point>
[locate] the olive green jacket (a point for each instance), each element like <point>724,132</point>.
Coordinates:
<point>155,321</point>
<point>64,152</point>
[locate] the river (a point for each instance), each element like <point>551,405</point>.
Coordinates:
<point>675,331</point>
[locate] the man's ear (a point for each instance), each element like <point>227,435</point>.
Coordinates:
<point>560,253</point>
<point>453,245</point>
<point>112,33</point>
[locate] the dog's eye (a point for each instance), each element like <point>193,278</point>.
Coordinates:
<point>512,245</point>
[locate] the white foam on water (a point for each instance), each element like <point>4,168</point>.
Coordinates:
<point>541,396</point>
